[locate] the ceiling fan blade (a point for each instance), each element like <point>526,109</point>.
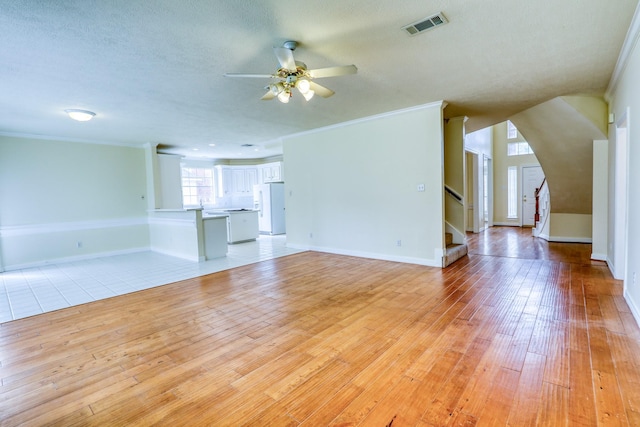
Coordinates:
<point>285,58</point>
<point>320,90</point>
<point>341,70</point>
<point>256,76</point>
<point>268,96</point>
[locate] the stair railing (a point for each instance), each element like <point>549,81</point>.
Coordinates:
<point>542,210</point>
<point>451,192</point>
<point>537,193</point>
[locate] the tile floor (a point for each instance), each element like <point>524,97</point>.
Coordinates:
<point>27,292</point>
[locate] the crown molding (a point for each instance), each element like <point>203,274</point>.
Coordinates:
<point>630,41</point>
<point>68,139</point>
<point>441,104</point>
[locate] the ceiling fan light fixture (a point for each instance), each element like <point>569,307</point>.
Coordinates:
<point>284,96</point>
<point>294,74</point>
<point>303,86</point>
<point>276,88</point>
<point>80,115</point>
<point>308,94</point>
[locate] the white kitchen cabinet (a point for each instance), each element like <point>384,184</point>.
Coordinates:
<point>271,172</point>
<point>251,177</point>
<point>239,181</point>
<point>276,172</point>
<point>236,180</point>
<point>244,178</point>
<point>242,226</point>
<point>215,236</point>
<point>225,181</point>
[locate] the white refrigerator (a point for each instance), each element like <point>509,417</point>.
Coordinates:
<point>268,200</point>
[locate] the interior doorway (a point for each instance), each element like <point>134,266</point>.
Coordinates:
<point>487,193</point>
<point>471,165</point>
<point>532,177</point>
<point>479,193</point>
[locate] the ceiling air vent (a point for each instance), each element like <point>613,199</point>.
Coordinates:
<point>425,24</point>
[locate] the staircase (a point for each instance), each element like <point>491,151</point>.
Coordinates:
<point>453,251</point>
<point>541,228</point>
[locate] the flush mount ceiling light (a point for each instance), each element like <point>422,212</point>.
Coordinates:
<point>294,74</point>
<point>80,115</point>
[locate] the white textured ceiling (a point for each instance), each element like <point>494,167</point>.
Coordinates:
<point>153,70</point>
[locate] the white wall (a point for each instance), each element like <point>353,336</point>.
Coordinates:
<point>454,177</point>
<point>352,188</point>
<point>570,228</point>
<point>480,142</point>
<point>178,233</point>
<point>170,181</point>
<point>54,194</point>
<point>623,93</point>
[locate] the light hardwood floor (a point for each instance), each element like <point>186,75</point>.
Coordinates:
<point>518,333</point>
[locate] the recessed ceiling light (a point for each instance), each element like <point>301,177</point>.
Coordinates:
<point>194,149</point>
<point>212,145</point>
<point>80,115</point>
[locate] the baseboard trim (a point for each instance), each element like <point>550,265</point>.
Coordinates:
<point>599,257</point>
<point>66,260</point>
<point>634,309</point>
<point>178,255</point>
<point>506,224</point>
<point>565,239</point>
<point>611,267</point>
<point>370,255</point>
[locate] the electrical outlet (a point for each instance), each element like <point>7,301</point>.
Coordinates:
<point>420,187</point>
<point>78,244</point>
<point>398,242</point>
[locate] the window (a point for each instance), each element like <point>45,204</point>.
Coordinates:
<point>518,149</point>
<point>512,192</point>
<point>197,186</point>
<point>512,130</point>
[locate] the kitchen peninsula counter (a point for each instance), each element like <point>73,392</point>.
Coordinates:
<point>184,233</point>
<point>242,224</point>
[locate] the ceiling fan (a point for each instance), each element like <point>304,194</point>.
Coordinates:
<point>294,74</point>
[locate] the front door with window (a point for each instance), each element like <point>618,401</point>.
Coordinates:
<point>532,177</point>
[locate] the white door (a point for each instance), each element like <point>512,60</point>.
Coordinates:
<point>532,177</point>
<point>264,216</point>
